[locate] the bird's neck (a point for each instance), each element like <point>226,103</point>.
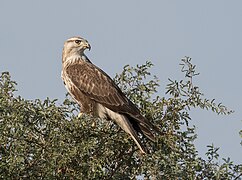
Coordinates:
<point>85,58</point>
<point>75,58</point>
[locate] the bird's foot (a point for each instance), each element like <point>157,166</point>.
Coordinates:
<point>80,115</point>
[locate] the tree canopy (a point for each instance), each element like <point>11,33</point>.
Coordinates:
<point>43,139</point>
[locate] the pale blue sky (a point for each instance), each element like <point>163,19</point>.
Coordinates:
<point>32,34</point>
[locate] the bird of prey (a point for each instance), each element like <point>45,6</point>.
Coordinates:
<point>97,94</point>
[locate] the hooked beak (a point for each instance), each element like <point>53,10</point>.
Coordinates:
<point>87,46</point>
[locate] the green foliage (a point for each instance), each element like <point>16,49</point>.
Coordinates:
<point>44,140</point>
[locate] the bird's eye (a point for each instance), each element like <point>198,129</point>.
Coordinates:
<point>78,42</point>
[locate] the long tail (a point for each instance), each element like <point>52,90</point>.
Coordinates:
<point>144,126</point>
<point>127,126</point>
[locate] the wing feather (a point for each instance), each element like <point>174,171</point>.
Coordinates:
<point>98,86</point>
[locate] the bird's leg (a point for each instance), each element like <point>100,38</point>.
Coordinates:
<point>80,115</point>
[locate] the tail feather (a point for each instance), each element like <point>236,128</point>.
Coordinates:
<point>147,132</point>
<point>127,126</point>
<point>142,125</point>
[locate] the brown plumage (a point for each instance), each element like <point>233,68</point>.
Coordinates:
<point>97,94</point>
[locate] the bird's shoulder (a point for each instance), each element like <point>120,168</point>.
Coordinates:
<point>86,69</point>
<point>90,78</point>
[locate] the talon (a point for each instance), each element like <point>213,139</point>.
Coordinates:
<point>80,115</point>
<point>93,124</point>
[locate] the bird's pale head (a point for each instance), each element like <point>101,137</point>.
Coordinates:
<point>75,46</point>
